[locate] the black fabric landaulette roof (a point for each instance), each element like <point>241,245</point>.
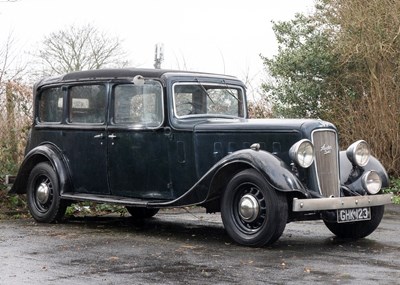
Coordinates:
<point>121,73</point>
<point>114,73</point>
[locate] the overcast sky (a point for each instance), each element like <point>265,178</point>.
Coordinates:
<point>222,36</point>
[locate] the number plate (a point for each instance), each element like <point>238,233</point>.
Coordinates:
<point>353,215</point>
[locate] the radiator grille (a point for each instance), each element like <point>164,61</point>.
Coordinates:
<point>327,162</point>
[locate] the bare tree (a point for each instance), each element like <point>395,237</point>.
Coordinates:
<point>10,69</point>
<point>80,48</point>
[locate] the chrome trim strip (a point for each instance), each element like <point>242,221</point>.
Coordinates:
<point>319,204</point>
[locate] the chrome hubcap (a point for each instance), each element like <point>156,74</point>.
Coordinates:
<point>43,193</point>
<point>249,208</point>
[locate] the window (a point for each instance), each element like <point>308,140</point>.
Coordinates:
<point>51,105</point>
<point>138,105</point>
<point>208,100</point>
<point>87,104</point>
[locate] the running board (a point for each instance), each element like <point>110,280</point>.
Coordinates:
<point>109,199</point>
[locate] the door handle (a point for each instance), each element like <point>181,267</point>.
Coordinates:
<point>100,136</point>
<point>112,136</point>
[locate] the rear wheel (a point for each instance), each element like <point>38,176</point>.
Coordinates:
<point>252,212</point>
<point>142,213</point>
<point>44,202</point>
<point>357,230</point>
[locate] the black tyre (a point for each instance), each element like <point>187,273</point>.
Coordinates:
<point>43,193</point>
<point>357,230</point>
<point>252,212</point>
<point>142,213</point>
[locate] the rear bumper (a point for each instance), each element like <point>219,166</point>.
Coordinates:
<point>320,204</point>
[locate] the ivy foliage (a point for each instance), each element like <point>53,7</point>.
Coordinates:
<point>302,68</point>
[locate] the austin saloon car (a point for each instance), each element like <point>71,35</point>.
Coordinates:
<point>151,139</point>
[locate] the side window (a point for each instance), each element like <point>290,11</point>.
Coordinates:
<point>208,100</point>
<point>138,105</point>
<point>50,105</point>
<point>189,100</point>
<point>87,104</point>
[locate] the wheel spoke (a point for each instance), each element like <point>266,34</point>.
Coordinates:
<point>256,224</point>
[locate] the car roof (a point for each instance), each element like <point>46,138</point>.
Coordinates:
<point>124,73</point>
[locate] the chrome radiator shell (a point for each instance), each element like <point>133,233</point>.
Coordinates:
<point>326,164</point>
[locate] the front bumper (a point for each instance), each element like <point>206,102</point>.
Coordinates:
<point>320,204</point>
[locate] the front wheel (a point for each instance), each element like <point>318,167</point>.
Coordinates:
<point>252,212</point>
<point>357,230</point>
<point>44,202</point>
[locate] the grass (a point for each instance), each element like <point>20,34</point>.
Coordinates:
<point>12,206</point>
<point>395,189</point>
<point>90,208</point>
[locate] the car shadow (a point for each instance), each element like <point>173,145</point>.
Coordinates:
<point>158,226</point>
<point>213,232</point>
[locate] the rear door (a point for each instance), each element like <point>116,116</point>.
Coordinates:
<point>83,138</point>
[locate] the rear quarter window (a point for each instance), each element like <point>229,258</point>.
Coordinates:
<point>50,105</point>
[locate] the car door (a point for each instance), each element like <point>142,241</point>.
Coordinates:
<point>83,136</point>
<point>138,143</point>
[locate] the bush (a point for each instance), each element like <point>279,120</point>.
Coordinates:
<point>369,44</point>
<point>395,189</point>
<point>259,109</point>
<point>15,109</point>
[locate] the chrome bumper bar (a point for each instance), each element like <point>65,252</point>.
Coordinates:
<point>319,204</point>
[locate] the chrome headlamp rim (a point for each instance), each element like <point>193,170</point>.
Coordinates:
<point>302,153</point>
<point>359,153</point>
<point>371,182</point>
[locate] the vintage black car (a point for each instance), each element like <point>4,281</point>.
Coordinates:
<point>151,139</point>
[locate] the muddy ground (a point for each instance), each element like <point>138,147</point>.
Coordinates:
<point>180,247</point>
